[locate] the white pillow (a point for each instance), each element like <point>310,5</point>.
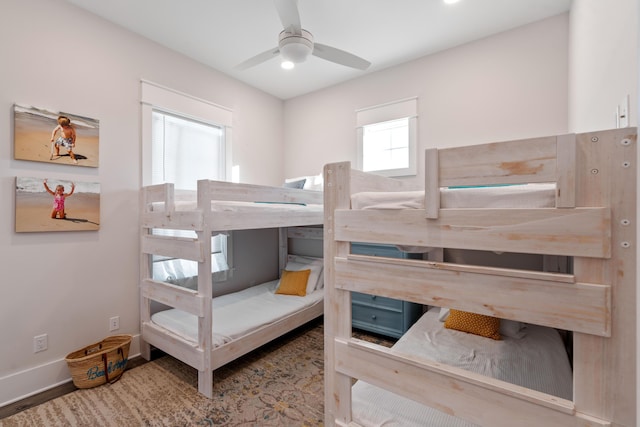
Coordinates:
<point>316,265</point>
<point>508,328</point>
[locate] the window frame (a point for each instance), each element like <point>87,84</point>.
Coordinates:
<point>400,109</point>
<point>169,101</point>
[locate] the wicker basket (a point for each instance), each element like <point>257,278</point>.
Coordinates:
<point>99,363</point>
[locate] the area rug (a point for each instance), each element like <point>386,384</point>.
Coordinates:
<point>280,384</point>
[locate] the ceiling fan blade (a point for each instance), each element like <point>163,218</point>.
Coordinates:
<point>289,16</point>
<point>339,56</point>
<point>258,59</point>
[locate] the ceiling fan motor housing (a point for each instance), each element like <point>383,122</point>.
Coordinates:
<point>295,47</point>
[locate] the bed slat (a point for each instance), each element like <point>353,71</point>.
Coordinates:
<point>176,220</point>
<point>175,247</point>
<point>460,393</point>
<point>174,296</point>
<point>509,162</point>
<point>578,232</point>
<point>585,307</point>
<point>229,191</point>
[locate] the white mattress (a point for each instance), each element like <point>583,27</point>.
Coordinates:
<point>238,313</point>
<point>509,196</point>
<point>537,361</point>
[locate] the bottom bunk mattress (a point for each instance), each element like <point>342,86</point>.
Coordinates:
<point>536,360</point>
<point>238,313</point>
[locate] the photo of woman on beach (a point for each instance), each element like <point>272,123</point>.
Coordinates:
<point>39,135</point>
<point>44,204</point>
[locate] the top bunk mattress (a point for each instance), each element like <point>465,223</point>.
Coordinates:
<point>239,313</point>
<point>538,361</point>
<point>507,196</point>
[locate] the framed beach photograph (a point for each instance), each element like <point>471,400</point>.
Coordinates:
<point>56,205</point>
<point>42,135</point>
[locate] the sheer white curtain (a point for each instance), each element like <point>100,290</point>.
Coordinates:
<point>185,151</point>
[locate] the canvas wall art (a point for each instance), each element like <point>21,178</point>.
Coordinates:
<point>56,205</point>
<point>43,135</point>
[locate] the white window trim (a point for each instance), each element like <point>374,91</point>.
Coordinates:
<point>157,97</point>
<point>403,108</point>
<point>154,96</point>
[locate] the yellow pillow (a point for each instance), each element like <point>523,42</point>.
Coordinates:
<point>293,282</point>
<point>478,324</point>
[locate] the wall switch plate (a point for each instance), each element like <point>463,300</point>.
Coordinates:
<point>114,323</point>
<point>622,113</point>
<point>40,343</point>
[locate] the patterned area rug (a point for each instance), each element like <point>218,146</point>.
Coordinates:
<point>280,384</point>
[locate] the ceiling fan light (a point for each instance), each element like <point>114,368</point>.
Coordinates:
<point>295,47</point>
<point>295,52</point>
<point>287,65</point>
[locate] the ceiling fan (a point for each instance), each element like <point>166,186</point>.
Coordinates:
<point>295,44</point>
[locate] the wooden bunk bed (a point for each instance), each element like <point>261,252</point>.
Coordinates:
<point>592,221</point>
<point>215,207</point>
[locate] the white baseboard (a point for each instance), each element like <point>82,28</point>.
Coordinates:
<point>27,383</point>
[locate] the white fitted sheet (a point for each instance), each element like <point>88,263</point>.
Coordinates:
<point>537,361</point>
<point>238,313</point>
<point>509,196</point>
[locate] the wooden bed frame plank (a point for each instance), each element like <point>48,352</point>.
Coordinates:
<point>463,394</point>
<point>173,345</point>
<point>176,220</point>
<point>174,247</point>
<point>229,191</point>
<point>337,182</point>
<point>172,295</point>
<point>577,232</point>
<point>605,370</point>
<point>229,221</point>
<point>585,307</point>
<point>507,162</point>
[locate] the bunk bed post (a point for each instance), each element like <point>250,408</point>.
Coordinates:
<point>605,367</point>
<point>431,183</point>
<point>145,273</point>
<point>337,386</point>
<point>205,290</point>
<point>283,248</point>
<point>566,171</point>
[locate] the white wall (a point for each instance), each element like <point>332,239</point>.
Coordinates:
<point>603,70</point>
<point>508,86</point>
<point>603,63</point>
<point>69,284</point>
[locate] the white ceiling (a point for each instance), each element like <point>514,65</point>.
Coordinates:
<point>224,33</point>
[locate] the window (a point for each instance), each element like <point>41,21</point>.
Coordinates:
<point>387,138</point>
<point>184,151</point>
<point>184,140</point>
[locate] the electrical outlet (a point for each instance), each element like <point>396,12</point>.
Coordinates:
<point>114,323</point>
<point>40,343</point>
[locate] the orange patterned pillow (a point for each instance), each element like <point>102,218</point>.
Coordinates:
<point>478,324</point>
<point>294,282</point>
